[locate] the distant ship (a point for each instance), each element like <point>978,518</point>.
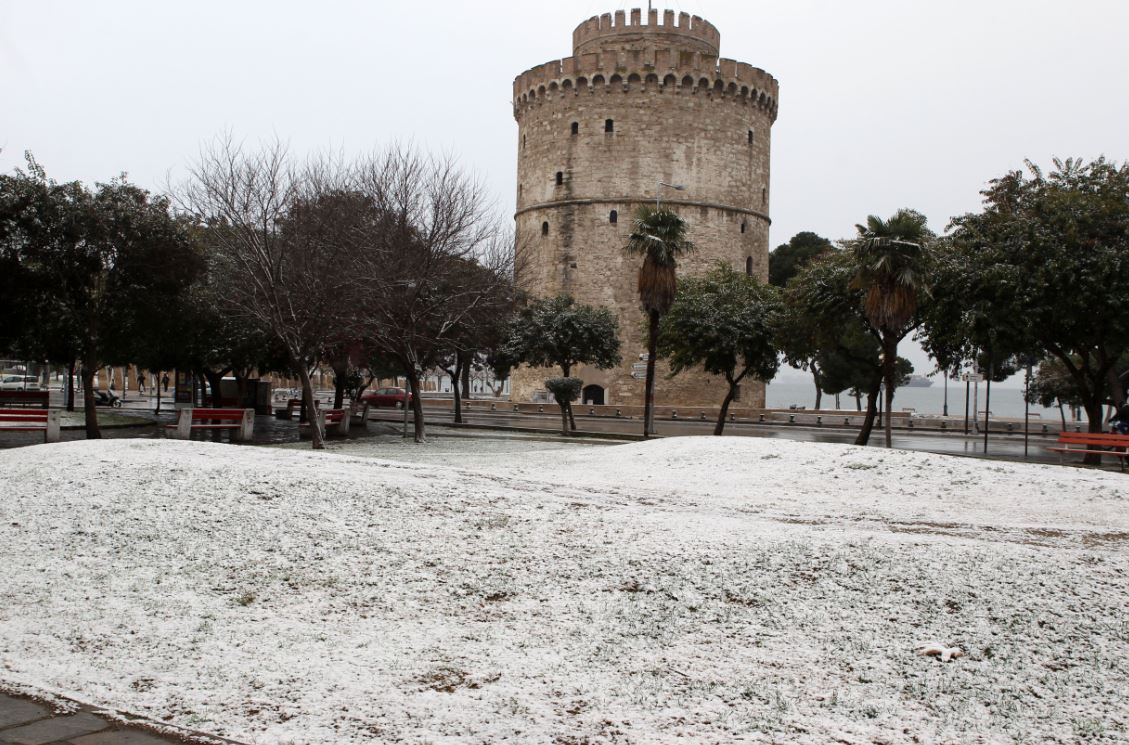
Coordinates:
<point>918,381</point>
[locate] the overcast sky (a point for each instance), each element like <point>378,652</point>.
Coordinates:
<point>883,103</point>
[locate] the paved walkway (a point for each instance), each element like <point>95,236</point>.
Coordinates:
<point>24,721</point>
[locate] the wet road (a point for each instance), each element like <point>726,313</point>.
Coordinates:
<point>269,430</point>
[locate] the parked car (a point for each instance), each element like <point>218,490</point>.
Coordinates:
<point>391,397</point>
<point>19,383</point>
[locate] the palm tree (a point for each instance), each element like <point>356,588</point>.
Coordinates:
<point>659,235</point>
<point>890,257</point>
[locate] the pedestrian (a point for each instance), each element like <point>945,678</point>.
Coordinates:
<point>141,384</point>
<point>165,382</point>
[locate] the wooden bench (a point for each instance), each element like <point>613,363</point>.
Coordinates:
<point>241,422</point>
<point>338,418</point>
<point>38,399</point>
<point>1092,443</point>
<point>47,421</point>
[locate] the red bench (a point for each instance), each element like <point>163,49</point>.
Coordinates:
<point>1092,443</point>
<point>241,422</point>
<point>46,421</point>
<point>38,399</point>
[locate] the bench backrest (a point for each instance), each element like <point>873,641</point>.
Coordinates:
<point>1093,438</point>
<point>234,414</point>
<point>25,397</point>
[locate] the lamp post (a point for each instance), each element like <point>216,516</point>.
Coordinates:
<point>658,191</point>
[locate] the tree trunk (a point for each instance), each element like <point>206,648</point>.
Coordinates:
<point>889,363</point>
<point>70,385</point>
<point>417,404</point>
<point>564,417</point>
<point>466,374</point>
<point>1093,408</point>
<point>317,437</point>
<point>871,412</point>
<point>858,401</point>
<point>456,385</point>
<point>818,387</point>
<point>571,418</point>
<point>1062,415</point>
<point>649,392</point>
<point>720,426</point>
<point>340,374</point>
<point>157,385</point>
<point>92,431</point>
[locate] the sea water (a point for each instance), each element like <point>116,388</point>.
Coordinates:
<point>1006,401</point>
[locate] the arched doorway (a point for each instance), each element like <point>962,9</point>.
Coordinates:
<point>592,395</point>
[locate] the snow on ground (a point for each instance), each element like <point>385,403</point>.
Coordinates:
<point>693,589</point>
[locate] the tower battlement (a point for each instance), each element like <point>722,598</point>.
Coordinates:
<point>614,31</point>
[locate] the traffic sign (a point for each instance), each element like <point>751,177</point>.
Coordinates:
<point>639,370</point>
<point>972,378</point>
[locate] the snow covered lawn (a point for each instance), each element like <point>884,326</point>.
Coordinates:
<point>692,590</point>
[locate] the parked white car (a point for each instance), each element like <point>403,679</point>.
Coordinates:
<point>19,383</point>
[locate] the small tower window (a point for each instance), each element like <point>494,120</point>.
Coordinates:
<point>560,177</point>
<point>764,197</point>
<point>544,228</point>
<point>613,217</point>
<point>750,137</point>
<point>523,141</point>
<point>744,226</point>
<point>576,128</point>
<point>520,188</point>
<point>609,125</point>
<point>749,265</point>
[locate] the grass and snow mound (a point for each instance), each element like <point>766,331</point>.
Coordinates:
<point>702,589</point>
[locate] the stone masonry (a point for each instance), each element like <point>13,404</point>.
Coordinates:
<point>636,104</point>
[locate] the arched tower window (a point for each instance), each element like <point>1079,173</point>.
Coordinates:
<point>560,177</point>
<point>609,125</point>
<point>749,265</point>
<point>544,228</point>
<point>744,226</point>
<point>576,128</point>
<point>613,217</point>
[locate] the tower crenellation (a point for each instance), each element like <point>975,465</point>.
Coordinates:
<point>610,30</point>
<point>645,101</point>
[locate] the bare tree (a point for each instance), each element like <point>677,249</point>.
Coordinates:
<point>429,264</point>
<point>276,233</point>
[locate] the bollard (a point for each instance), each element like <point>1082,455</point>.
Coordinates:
<point>761,420</point>
<point>1009,427</point>
<point>493,407</point>
<point>673,414</point>
<point>909,423</point>
<point>791,419</point>
<point>540,409</point>
<point>732,417</point>
<point>846,421</point>
<point>591,412</point>
<point>617,413</point>
<point>702,416</point>
<point>1045,430</point>
<point>943,425</point>
<point>819,421</point>
<point>516,408</point>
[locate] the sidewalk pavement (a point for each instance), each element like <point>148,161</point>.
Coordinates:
<point>24,721</point>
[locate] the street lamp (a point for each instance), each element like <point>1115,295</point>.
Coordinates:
<point>658,191</point>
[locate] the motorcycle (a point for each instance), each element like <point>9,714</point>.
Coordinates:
<point>104,398</point>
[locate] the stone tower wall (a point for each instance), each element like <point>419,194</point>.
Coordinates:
<point>678,114</point>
